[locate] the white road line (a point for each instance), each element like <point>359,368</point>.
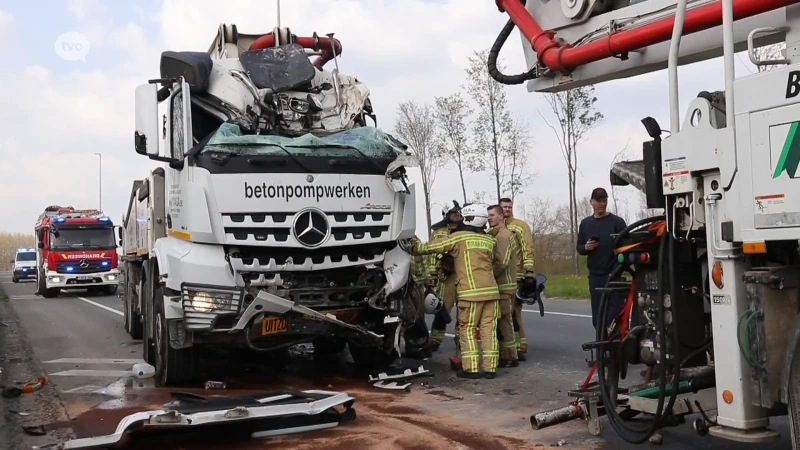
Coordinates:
<point>558,313</point>
<point>88,389</point>
<point>101,306</point>
<point>23,297</point>
<point>93,361</point>
<point>92,373</point>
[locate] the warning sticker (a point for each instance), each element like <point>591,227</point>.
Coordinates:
<point>677,181</point>
<point>675,164</point>
<point>770,204</point>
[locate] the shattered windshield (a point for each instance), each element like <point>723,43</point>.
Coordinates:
<point>356,143</point>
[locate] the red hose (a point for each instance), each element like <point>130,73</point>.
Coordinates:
<point>564,58</point>
<point>324,45</point>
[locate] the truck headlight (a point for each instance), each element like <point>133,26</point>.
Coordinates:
<point>211,300</point>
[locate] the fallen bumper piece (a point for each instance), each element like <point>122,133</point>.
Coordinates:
<point>400,374</point>
<point>393,385</point>
<point>265,414</point>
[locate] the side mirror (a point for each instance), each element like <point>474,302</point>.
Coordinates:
<point>120,242</point>
<point>12,261</point>
<point>146,136</point>
<point>40,245</point>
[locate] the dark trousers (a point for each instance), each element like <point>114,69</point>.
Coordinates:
<point>617,300</point>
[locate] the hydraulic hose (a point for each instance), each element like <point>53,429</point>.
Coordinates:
<point>494,53</point>
<point>634,435</point>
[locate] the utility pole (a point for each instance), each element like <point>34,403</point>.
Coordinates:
<point>100,180</point>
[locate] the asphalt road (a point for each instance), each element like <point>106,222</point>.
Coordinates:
<point>80,343</point>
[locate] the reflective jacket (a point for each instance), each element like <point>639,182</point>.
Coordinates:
<point>474,255</point>
<point>525,250</point>
<point>505,272</point>
<point>435,273</point>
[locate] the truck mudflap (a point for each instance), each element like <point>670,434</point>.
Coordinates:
<point>265,414</point>
<point>270,303</point>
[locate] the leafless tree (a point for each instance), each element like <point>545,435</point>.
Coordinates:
<point>767,52</point>
<point>519,143</point>
<point>620,156</point>
<point>452,113</point>
<point>577,115</point>
<point>417,128</point>
<point>494,125</point>
<point>478,197</point>
<point>644,211</point>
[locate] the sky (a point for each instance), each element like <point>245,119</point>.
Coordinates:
<point>65,98</point>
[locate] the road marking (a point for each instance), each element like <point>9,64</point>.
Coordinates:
<point>92,373</point>
<point>89,389</point>
<point>94,361</point>
<point>558,313</point>
<point>23,297</point>
<point>101,306</point>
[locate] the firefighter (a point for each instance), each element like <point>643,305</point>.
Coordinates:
<point>478,297</point>
<point>416,336</point>
<point>525,275</point>
<point>441,277</point>
<point>506,276</point>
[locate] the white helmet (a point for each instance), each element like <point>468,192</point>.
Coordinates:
<point>432,304</point>
<point>449,207</point>
<point>475,215</point>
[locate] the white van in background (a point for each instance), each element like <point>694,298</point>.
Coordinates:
<point>24,264</point>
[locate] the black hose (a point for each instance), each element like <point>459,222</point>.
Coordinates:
<point>626,432</point>
<point>646,221</point>
<point>673,289</point>
<point>494,53</point>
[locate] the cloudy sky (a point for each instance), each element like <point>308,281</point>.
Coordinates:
<point>58,113</point>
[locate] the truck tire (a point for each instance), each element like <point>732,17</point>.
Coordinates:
<point>51,293</point>
<point>110,289</point>
<point>371,357</point>
<point>173,366</point>
<point>146,290</point>
<point>133,321</point>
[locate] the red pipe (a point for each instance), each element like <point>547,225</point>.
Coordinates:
<point>564,57</point>
<point>323,44</point>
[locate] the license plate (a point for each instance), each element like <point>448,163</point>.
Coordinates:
<point>274,325</point>
<point>85,277</point>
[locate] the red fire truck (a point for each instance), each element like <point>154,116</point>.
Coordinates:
<point>77,249</point>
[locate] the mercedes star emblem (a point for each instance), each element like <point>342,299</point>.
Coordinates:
<point>311,228</point>
<point>84,263</point>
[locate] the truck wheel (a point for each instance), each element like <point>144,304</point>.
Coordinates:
<point>51,293</point>
<point>110,289</point>
<point>371,357</point>
<point>173,366</point>
<point>133,321</point>
<point>329,346</point>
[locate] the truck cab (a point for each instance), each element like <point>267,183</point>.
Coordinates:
<point>278,216</point>
<point>23,265</point>
<point>77,249</point>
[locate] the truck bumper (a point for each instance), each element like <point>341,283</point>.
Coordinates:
<point>65,281</point>
<point>25,273</point>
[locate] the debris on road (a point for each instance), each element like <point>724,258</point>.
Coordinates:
<point>19,413</point>
<point>35,430</point>
<point>215,385</point>
<point>267,414</point>
<point>400,374</point>
<point>143,370</point>
<point>393,385</point>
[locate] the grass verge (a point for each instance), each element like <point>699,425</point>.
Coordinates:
<point>567,286</point>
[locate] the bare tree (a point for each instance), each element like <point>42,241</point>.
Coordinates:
<point>620,156</point>
<point>576,114</point>
<point>478,197</point>
<point>451,115</point>
<point>644,211</point>
<point>494,124</point>
<point>519,144</point>
<point>767,52</point>
<point>416,126</point>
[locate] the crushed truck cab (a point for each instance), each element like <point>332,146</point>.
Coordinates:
<point>277,217</point>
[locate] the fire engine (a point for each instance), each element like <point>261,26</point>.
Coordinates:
<point>77,249</point>
<point>713,295</point>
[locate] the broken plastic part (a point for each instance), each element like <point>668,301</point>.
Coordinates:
<point>393,385</point>
<point>396,375</point>
<point>271,414</point>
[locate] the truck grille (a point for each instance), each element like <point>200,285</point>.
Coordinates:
<point>94,266</point>
<point>275,229</point>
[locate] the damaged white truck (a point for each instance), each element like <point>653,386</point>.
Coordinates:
<point>278,215</point>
